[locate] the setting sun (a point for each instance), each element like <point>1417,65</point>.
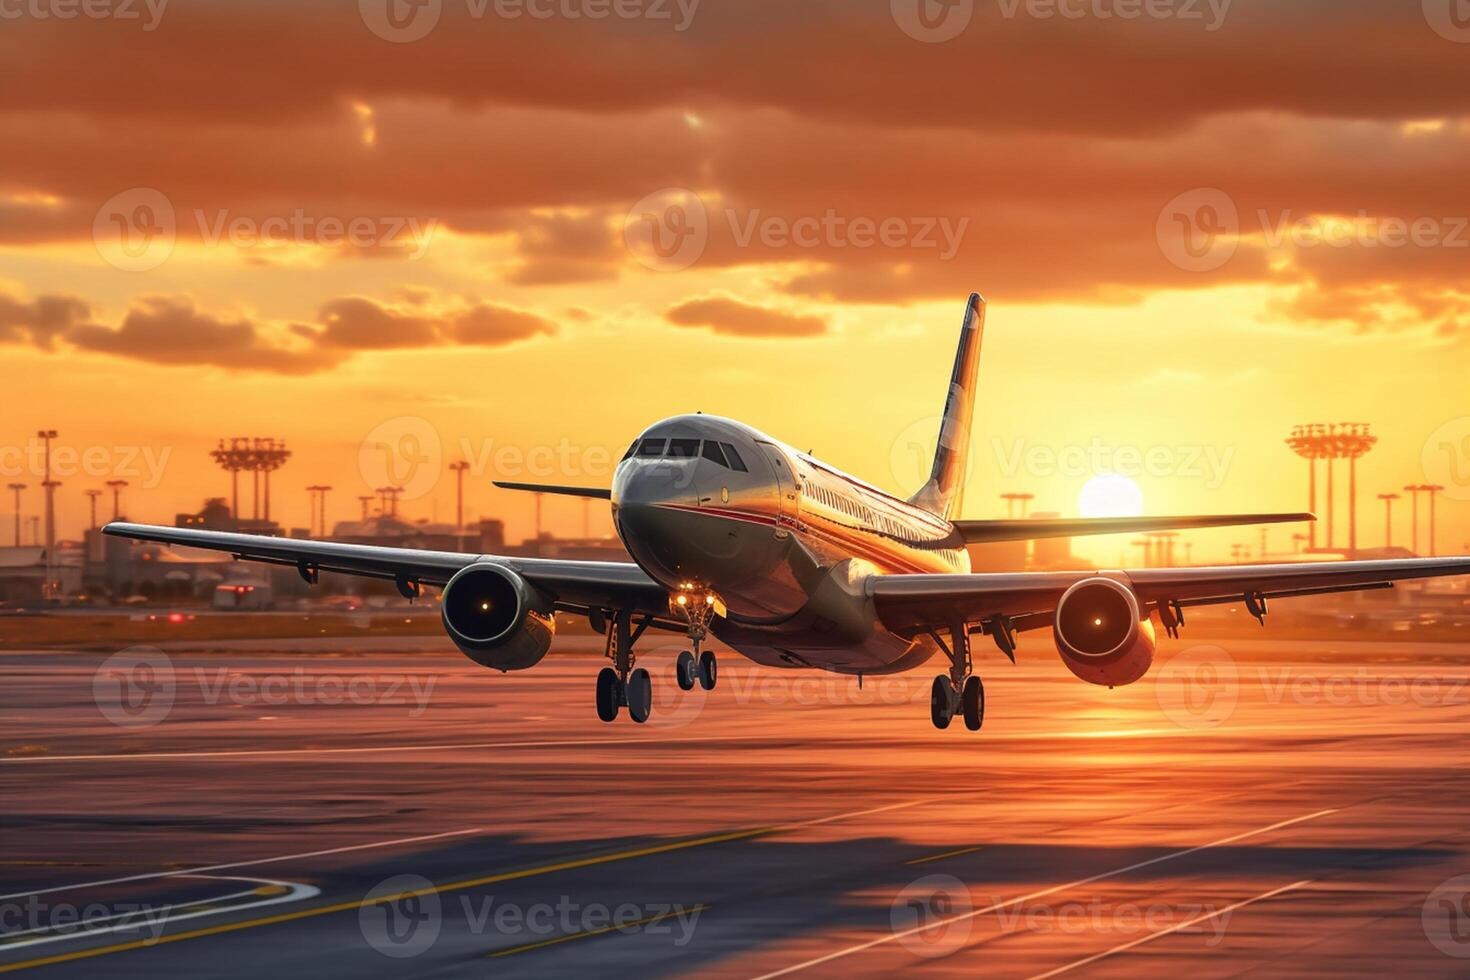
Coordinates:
<point>1110,495</point>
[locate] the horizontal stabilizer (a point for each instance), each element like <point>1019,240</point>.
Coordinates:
<point>979,532</point>
<point>548,488</point>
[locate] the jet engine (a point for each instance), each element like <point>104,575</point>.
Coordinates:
<point>1101,633</point>
<point>497,618</point>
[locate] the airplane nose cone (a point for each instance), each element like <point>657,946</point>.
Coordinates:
<point>652,503</point>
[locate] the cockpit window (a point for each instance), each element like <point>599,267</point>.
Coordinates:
<point>736,463</point>
<point>652,447</point>
<point>712,452</point>
<point>683,448</point>
<point>630,449</point>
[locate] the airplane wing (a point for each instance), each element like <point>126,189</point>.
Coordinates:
<point>917,603</point>
<point>979,532</point>
<point>574,584</point>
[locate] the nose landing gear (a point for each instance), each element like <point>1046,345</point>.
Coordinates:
<point>696,608</point>
<point>961,692</point>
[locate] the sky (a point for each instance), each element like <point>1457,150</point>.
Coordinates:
<point>398,234</point>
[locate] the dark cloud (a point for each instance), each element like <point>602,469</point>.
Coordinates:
<point>41,320</point>
<point>727,315</point>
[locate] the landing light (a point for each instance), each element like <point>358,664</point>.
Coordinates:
<point>683,600</point>
<point>484,607</point>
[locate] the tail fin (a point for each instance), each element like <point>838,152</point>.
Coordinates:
<point>941,495</point>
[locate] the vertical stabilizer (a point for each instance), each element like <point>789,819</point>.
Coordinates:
<point>941,494</point>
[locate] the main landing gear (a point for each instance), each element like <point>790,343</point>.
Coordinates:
<point>625,685</point>
<point>960,692</point>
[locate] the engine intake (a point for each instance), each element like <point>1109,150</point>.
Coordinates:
<point>1102,634</point>
<point>497,618</point>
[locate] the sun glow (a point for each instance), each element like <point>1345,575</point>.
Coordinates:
<point>1110,495</point>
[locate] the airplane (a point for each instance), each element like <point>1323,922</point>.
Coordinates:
<point>795,564</point>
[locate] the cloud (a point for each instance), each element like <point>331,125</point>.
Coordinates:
<point>172,331</point>
<point>727,315</point>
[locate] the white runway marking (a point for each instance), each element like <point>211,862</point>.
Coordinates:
<point>155,919</point>
<point>891,937</point>
<point>244,864</point>
<point>1164,932</point>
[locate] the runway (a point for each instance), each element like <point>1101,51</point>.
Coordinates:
<point>1252,807</point>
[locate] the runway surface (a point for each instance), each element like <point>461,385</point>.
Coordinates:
<point>1250,808</point>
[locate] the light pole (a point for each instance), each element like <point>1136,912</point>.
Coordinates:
<point>1431,489</point>
<point>366,502</point>
<point>459,471</point>
<point>116,487</point>
<point>92,496</point>
<point>1413,491</point>
<point>1388,499</point>
<point>16,488</point>
<point>49,485</point>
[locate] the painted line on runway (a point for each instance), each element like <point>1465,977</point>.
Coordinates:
<point>1164,932</point>
<point>279,893</point>
<point>891,937</point>
<point>947,854</point>
<point>567,865</point>
<point>648,921</point>
<point>202,869</point>
<point>368,749</point>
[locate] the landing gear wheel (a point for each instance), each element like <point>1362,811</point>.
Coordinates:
<point>686,670</point>
<point>972,702</point>
<point>940,708</point>
<point>609,695</point>
<point>640,695</point>
<point>708,671</point>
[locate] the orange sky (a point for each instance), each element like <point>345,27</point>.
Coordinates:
<point>1192,233</point>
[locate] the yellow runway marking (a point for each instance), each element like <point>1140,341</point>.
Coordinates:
<point>650,920</point>
<point>947,854</point>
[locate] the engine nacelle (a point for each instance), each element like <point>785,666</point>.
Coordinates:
<point>1101,633</point>
<point>497,618</point>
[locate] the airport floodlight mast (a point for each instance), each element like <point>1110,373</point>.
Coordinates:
<point>49,486</point>
<point>1011,499</point>
<point>1414,490</point>
<point>92,496</point>
<point>366,500</point>
<point>116,487</point>
<point>318,492</point>
<point>1339,440</point>
<point>1388,499</point>
<point>256,456</point>
<point>459,467</point>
